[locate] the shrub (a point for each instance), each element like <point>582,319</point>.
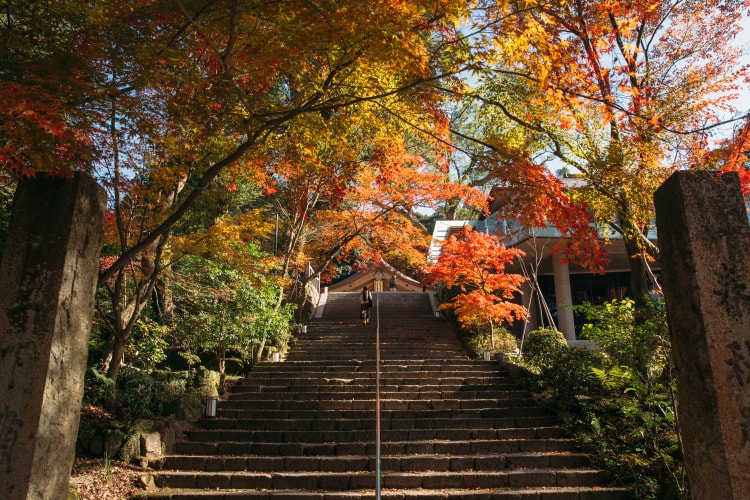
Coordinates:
<point>135,394</point>
<point>478,341</point>
<point>148,345</point>
<point>544,347</point>
<point>617,401</point>
<point>628,337</point>
<point>98,389</point>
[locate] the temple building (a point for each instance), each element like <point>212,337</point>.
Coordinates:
<point>560,284</point>
<point>376,277</point>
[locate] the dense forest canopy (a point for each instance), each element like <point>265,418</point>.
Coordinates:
<point>241,140</point>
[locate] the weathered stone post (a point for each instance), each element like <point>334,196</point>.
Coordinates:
<point>48,279</point>
<point>705,238</point>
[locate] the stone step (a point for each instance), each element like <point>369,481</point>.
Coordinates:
<point>450,448</point>
<point>529,433</point>
<point>450,427</point>
<point>506,399</point>
<point>340,481</point>
<point>343,353</point>
<point>390,437</point>
<point>366,385</point>
<point>368,414</point>
<point>456,378</point>
<point>544,493</point>
<point>338,462</point>
<point>437,355</point>
<point>321,368</point>
<point>388,396</point>
<point>546,445</point>
<point>356,424</point>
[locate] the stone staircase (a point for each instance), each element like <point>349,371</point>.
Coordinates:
<point>451,427</point>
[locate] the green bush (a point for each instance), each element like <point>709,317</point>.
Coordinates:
<point>135,394</point>
<point>148,345</point>
<point>98,389</point>
<point>187,406</point>
<point>172,383</point>
<point>628,337</point>
<point>478,341</point>
<point>563,371</point>
<point>617,401</point>
<point>543,348</point>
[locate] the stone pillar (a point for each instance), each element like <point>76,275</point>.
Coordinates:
<point>704,238</point>
<point>564,297</point>
<point>48,280</point>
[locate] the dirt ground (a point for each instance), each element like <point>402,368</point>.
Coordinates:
<point>97,479</point>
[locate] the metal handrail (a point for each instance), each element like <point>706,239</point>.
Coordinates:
<point>377,394</point>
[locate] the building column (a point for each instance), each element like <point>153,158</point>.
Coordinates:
<point>564,297</point>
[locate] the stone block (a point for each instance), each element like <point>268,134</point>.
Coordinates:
<point>48,278</point>
<point>402,481</point>
<point>704,238</point>
<point>151,445</point>
<point>131,448</point>
<point>168,437</point>
<point>251,482</point>
<point>420,463</point>
<point>531,478</point>
<point>442,481</point>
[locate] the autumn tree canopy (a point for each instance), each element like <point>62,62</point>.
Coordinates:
<point>346,115</point>
<point>160,99</point>
<point>622,92</point>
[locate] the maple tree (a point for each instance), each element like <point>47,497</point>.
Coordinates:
<point>160,100</point>
<point>231,74</point>
<point>499,154</point>
<point>732,154</point>
<point>623,92</point>
<point>164,97</point>
<point>250,69</point>
<point>355,188</point>
<point>46,73</point>
<point>473,263</point>
<point>377,218</point>
<point>212,229</point>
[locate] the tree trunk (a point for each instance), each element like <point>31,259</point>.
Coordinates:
<point>126,317</point>
<point>492,336</point>
<point>638,275</point>
<point>633,240</point>
<point>116,356</point>
<point>259,352</point>
<point>222,355</point>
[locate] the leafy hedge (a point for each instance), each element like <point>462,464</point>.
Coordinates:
<point>619,400</point>
<point>140,394</point>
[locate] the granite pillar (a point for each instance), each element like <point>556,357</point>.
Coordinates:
<point>48,279</point>
<point>705,242</point>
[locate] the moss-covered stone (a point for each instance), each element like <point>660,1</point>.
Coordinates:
<point>131,449</point>
<point>113,441</point>
<point>177,400</point>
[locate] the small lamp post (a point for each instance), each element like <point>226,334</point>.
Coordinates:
<point>209,411</point>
